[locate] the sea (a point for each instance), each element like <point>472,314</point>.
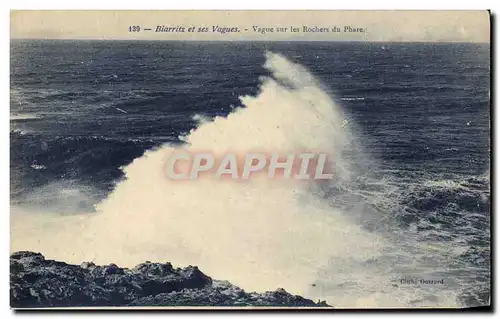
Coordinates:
<point>405,223</point>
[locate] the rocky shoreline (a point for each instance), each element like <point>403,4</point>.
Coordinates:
<point>36,282</point>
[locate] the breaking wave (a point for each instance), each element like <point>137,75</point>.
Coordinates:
<point>335,240</point>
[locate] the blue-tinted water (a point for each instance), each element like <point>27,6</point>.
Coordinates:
<point>82,109</point>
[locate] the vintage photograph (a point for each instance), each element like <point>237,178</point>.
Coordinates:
<point>250,159</point>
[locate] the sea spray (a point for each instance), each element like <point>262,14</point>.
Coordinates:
<point>260,234</point>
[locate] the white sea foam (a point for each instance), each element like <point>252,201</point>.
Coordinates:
<point>27,116</point>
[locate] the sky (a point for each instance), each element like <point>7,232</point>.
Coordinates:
<point>400,26</point>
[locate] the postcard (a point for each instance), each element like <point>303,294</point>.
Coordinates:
<point>250,159</point>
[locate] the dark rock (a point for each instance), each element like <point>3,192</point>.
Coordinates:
<point>15,267</point>
<point>37,282</point>
<point>86,265</point>
<point>26,254</point>
<point>151,269</point>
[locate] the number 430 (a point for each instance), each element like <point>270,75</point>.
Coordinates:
<point>134,28</point>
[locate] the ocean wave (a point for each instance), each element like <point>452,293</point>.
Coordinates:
<point>68,138</point>
<point>349,241</point>
<point>351,98</point>
<point>26,116</point>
